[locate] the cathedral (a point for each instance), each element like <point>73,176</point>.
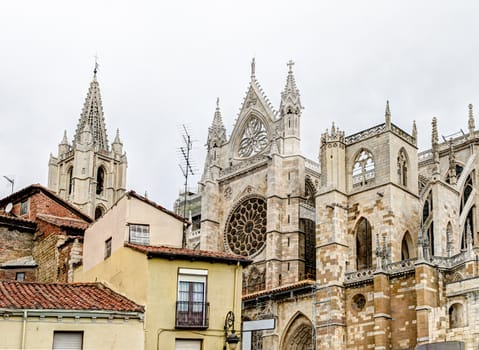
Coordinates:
<point>373,245</point>
<point>88,172</point>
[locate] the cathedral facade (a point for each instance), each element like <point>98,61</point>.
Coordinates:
<point>371,246</point>
<point>88,172</point>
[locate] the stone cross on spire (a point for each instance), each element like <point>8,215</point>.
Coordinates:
<point>290,65</point>
<point>95,70</point>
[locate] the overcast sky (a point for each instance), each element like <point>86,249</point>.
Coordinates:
<point>163,63</point>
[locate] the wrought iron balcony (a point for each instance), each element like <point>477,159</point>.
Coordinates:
<point>191,314</point>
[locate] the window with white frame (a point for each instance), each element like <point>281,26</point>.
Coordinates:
<point>187,344</point>
<point>140,234</point>
<point>191,307</point>
<point>67,340</point>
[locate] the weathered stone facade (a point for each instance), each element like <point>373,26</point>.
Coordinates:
<point>374,247</point>
<point>87,172</point>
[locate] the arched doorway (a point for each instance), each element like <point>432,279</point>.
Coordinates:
<point>299,334</point>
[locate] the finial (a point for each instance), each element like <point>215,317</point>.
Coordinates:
<point>333,129</point>
<point>96,65</point>
<point>290,65</point>
<point>253,68</point>
<point>471,123</point>
<point>435,138</point>
<point>387,114</point>
<point>217,103</point>
<point>414,130</point>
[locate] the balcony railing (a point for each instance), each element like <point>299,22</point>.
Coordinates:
<point>190,314</point>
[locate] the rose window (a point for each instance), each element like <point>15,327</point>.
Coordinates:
<point>246,227</point>
<point>254,139</point>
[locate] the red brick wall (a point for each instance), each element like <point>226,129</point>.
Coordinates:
<point>10,274</point>
<point>42,204</point>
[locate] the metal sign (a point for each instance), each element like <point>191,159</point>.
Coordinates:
<point>258,325</point>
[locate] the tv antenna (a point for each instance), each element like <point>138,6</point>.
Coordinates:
<point>187,169</point>
<point>11,180</point>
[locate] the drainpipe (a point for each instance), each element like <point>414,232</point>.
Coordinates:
<point>234,286</point>
<point>24,328</point>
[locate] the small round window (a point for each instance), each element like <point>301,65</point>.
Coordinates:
<point>359,302</point>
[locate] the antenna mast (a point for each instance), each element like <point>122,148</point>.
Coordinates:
<point>11,180</point>
<point>186,169</point>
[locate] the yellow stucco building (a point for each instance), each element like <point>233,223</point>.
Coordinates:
<point>187,293</point>
<point>68,316</point>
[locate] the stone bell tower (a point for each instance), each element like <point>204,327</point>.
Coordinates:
<point>87,172</point>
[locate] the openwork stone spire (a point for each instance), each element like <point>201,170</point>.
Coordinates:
<point>290,97</point>
<point>217,130</point>
<point>92,115</point>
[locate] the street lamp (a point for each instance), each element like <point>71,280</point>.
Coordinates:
<point>231,338</point>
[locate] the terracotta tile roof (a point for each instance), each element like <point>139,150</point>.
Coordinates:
<point>35,188</point>
<point>281,289</point>
<point>63,296</point>
<point>189,254</point>
<point>11,220</point>
<point>153,204</point>
<point>63,221</point>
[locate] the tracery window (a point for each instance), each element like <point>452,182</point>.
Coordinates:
<point>254,138</point>
<point>245,232</point>
<point>364,249</point>
<point>402,167</point>
<point>363,169</point>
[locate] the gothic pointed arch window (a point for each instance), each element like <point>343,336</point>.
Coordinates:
<point>466,192</point>
<point>468,225</point>
<point>363,169</point>
<point>402,164</point>
<point>364,246</point>
<point>407,247</point>
<point>428,224</point>
<point>70,181</point>
<point>100,180</point>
